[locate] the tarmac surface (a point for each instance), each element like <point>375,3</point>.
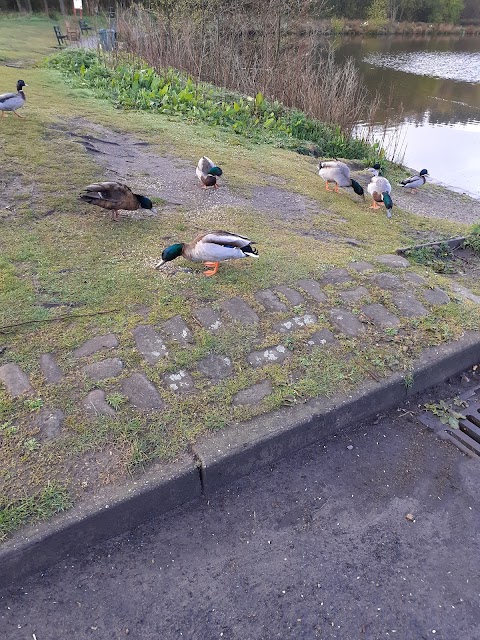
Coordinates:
<point>317,546</point>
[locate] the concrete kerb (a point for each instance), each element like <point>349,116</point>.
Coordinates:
<point>224,456</point>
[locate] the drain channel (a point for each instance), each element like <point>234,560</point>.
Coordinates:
<point>467,436</point>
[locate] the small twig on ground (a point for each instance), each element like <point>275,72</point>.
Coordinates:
<point>66,316</point>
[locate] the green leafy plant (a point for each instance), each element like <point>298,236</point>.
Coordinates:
<point>446,413</point>
<point>473,239</point>
<point>439,258</point>
<point>34,404</point>
<point>8,429</point>
<point>391,331</point>
<point>31,444</point>
<point>132,84</point>
<point>408,380</point>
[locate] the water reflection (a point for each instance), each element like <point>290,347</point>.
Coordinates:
<point>434,84</point>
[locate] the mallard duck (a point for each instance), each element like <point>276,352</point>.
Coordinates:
<point>339,173</point>
<point>211,248</point>
<point>114,196</point>
<point>13,101</point>
<point>207,172</point>
<point>376,170</point>
<point>380,188</point>
<point>416,181</point>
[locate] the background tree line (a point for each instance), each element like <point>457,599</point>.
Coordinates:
<point>397,10</point>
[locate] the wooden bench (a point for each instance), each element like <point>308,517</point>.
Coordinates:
<point>73,33</point>
<point>84,27</point>
<point>60,36</point>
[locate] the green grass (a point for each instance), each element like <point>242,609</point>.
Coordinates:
<point>51,500</point>
<point>56,250</point>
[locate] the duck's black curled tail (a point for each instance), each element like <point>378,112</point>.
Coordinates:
<point>248,250</point>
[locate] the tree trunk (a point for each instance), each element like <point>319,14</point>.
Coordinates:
<point>29,6</point>
<point>46,8</point>
<point>19,6</point>
<point>62,6</point>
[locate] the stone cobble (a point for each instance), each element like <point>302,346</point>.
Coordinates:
<point>346,322</point>
<point>177,330</point>
<point>109,368</point>
<point>271,355</point>
<point>270,301</point>
<point>320,338</point>
<point>215,367</point>
<point>95,404</point>
<point>149,343</point>
<point>88,348</point>
<point>292,324</point>
<point>141,392</point>
<point>208,318</point>
<point>180,382</point>
<point>240,311</point>
<point>15,380</point>
<point>380,316</point>
<point>355,295</point>
<point>50,369</point>
<point>254,394</point>
<point>313,288</point>
<point>292,296</point>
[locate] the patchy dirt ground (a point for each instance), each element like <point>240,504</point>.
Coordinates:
<point>173,180</point>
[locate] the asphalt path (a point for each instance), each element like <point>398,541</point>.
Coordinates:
<point>319,546</point>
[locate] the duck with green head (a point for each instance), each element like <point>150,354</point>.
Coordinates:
<point>211,248</point>
<point>380,189</point>
<point>339,173</point>
<point>376,170</point>
<point>415,182</point>
<point>207,172</point>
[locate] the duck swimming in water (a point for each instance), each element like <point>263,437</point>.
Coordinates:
<point>13,101</point>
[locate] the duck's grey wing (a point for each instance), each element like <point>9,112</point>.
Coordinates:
<point>226,238</point>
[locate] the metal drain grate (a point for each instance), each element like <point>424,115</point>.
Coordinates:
<point>467,436</point>
<point>468,433</point>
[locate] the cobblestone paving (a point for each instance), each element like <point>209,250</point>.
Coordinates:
<point>321,319</point>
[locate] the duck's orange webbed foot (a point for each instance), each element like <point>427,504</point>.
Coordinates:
<point>374,205</point>
<point>326,187</point>
<point>336,188</point>
<point>214,266</point>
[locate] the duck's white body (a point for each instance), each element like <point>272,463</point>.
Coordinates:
<point>203,167</point>
<point>335,171</point>
<point>218,246</point>
<point>380,185</point>
<point>414,182</point>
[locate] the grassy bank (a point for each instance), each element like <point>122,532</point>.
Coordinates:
<point>61,258</point>
<point>132,84</point>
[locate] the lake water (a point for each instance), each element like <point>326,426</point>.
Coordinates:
<point>435,107</point>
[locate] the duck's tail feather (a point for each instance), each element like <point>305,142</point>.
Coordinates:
<point>250,251</point>
<point>91,198</point>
